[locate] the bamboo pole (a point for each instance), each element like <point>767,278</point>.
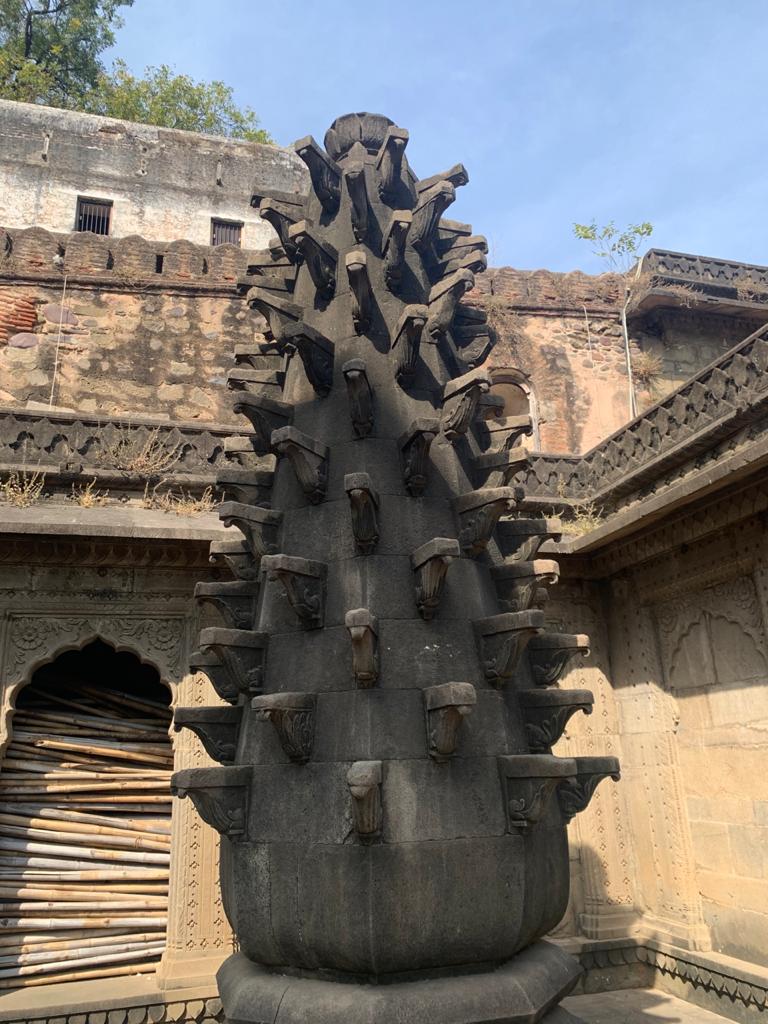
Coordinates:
<point>84,852</point>
<point>76,938</point>
<point>84,975</point>
<point>53,950</point>
<point>84,836</point>
<point>16,972</point>
<point>62,825</point>
<point>84,921</point>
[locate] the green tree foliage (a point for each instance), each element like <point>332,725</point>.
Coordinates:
<point>175,101</point>
<point>50,49</point>
<point>50,52</point>
<point>618,249</point>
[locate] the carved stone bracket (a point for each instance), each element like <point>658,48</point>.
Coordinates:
<point>217,729</point>
<point>460,398</point>
<point>517,583</point>
<point>549,654</point>
<point>220,796</point>
<point>457,176</point>
<point>359,396</point>
<point>278,312</point>
<point>498,469</point>
<point>308,457</point>
<point>320,257</point>
<point>405,344</point>
<point>446,706</point>
<point>354,175</point>
<point>478,512</point>
<point>364,779</point>
<point>431,205</point>
<point>255,382</point>
<point>293,718</point>
<point>282,216</point>
<point>528,782</point>
<point>237,556</point>
<point>249,486</point>
<point>218,674</point>
<point>575,793</point>
<point>259,526</point>
<point>393,247</point>
<point>414,447</point>
<point>473,259</point>
<point>502,640</point>
<point>324,172</point>
<point>241,651</point>
<point>430,563</point>
<point>364,505</point>
<point>504,434</point>
<point>389,161</point>
<point>364,634</point>
<point>266,414</point>
<point>547,712</point>
<point>304,583</point>
<point>233,600</point>
<point>520,539</point>
<point>443,300</point>
<point>356,263</point>
<point>316,353</point>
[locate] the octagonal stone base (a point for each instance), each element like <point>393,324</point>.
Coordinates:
<point>525,990</point>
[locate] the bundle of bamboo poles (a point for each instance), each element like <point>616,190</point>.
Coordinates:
<point>85,835</point>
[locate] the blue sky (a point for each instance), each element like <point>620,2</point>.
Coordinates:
<point>561,110</point>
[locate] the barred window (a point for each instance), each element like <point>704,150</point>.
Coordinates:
<point>93,215</point>
<point>225,232</point>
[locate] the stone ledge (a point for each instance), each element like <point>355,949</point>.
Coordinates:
<point>136,1000</point>
<point>733,988</point>
<point>59,520</point>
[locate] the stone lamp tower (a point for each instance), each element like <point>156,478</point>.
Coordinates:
<point>392,817</point>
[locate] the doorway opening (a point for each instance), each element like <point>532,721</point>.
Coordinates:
<point>85,821</point>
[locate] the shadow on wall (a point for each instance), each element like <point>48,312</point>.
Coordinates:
<point>593,911</point>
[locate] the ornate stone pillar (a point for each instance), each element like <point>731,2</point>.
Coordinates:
<point>199,936</point>
<point>604,904</point>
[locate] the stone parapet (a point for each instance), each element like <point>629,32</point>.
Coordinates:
<point>723,398</point>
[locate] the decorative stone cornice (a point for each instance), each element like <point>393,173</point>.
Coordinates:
<point>708,410</point>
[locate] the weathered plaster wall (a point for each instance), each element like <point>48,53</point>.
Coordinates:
<point>563,331</point>
<point>164,184</point>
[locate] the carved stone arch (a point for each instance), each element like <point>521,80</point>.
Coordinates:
<point>36,640</point>
<point>505,381</point>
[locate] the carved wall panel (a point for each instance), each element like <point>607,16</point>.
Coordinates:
<point>714,635</point>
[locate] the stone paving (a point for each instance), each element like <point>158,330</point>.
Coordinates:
<point>638,1006</point>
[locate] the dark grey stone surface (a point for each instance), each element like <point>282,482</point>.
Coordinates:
<point>388,831</point>
<point>521,991</point>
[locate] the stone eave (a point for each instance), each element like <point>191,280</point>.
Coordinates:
<point>714,482</point>
<point>71,522</point>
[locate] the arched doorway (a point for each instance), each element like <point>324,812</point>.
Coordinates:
<point>515,392</point>
<point>85,821</point>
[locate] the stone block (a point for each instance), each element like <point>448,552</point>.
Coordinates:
<point>749,848</point>
<point>711,846</point>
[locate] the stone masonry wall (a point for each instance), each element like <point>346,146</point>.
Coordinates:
<point>563,331</point>
<point>130,340</point>
<point>163,184</point>
<point>148,328</point>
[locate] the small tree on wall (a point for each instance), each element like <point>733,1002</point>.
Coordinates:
<point>619,250</point>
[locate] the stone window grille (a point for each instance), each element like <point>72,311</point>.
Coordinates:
<point>93,215</point>
<point>225,232</point>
